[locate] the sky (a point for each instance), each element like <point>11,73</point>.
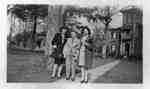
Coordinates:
<point>117,21</point>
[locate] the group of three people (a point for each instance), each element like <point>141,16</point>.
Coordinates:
<point>71,51</point>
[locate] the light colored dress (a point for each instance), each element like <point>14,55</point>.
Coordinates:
<point>71,48</point>
<point>71,54</point>
<point>85,57</point>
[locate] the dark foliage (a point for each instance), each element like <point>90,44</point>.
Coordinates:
<point>25,12</point>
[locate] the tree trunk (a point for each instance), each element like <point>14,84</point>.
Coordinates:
<point>104,50</point>
<point>34,32</point>
<point>35,23</point>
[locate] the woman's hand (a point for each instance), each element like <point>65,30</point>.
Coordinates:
<point>54,46</point>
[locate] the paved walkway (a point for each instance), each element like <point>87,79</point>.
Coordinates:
<point>26,66</point>
<point>94,73</point>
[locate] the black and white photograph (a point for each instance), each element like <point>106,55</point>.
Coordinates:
<point>74,44</point>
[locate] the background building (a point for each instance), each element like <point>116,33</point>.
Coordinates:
<point>114,42</point>
<point>132,32</point>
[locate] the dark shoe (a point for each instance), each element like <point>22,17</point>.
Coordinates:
<point>53,77</point>
<point>67,78</point>
<point>59,77</point>
<point>86,81</point>
<point>82,81</point>
<point>72,79</point>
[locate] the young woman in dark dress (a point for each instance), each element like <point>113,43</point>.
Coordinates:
<point>58,43</point>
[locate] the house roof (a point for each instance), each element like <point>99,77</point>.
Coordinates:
<point>131,9</point>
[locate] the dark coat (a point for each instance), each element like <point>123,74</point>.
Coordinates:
<point>57,40</point>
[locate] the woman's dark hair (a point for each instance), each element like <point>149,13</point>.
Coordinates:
<point>67,34</point>
<point>63,27</point>
<point>85,28</point>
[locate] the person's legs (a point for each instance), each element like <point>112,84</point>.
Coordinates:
<point>67,67</point>
<point>73,71</point>
<point>82,73</point>
<point>59,70</point>
<point>50,64</point>
<point>86,76</point>
<point>54,70</point>
<point>67,70</point>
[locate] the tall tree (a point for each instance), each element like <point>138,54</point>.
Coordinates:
<point>105,16</point>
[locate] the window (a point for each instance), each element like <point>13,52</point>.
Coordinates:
<point>124,19</point>
<point>111,35</point>
<point>67,14</point>
<point>113,47</point>
<point>114,35</point>
<point>129,18</point>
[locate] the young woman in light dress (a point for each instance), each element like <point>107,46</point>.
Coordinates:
<point>85,57</point>
<point>71,53</point>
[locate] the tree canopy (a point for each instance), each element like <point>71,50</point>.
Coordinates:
<point>25,12</point>
<point>104,14</point>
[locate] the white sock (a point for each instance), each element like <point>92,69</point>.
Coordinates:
<point>82,74</point>
<point>86,76</point>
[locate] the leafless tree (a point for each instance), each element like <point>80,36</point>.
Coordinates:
<point>105,16</point>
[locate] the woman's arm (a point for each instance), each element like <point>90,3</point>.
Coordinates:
<point>54,41</point>
<point>88,44</point>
